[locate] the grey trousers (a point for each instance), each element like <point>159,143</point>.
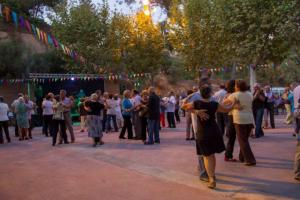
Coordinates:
<point>297,160</point>
<point>68,119</point>
<point>136,121</point>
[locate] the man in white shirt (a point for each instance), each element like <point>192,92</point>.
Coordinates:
<point>4,121</point>
<point>171,101</point>
<point>221,117</point>
<point>13,107</point>
<point>297,155</point>
<point>136,120</point>
<point>47,107</point>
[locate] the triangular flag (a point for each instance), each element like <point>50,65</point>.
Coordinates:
<point>6,13</point>
<point>50,41</point>
<point>15,18</point>
<point>38,33</point>
<point>54,41</point>
<point>33,29</point>
<point>27,25</point>
<point>22,22</point>
<point>1,10</point>
<point>46,38</point>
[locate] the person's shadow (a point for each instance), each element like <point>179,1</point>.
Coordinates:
<point>280,189</point>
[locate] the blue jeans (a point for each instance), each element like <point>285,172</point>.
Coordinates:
<point>108,122</point>
<point>258,117</point>
<point>153,130</point>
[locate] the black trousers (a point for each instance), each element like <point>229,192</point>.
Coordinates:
<point>177,115</point>
<point>270,108</point>
<point>171,119</point>
<point>4,127</point>
<point>59,126</point>
<point>47,128</point>
<point>221,121</point>
<point>144,123</point>
<point>243,133</point>
<point>127,126</point>
<point>231,134</point>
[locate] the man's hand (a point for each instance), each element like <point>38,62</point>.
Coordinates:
<point>202,114</point>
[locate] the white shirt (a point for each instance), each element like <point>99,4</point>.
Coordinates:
<point>112,104</point>
<point>14,105</point>
<point>47,107</point>
<point>171,104</point>
<point>270,96</point>
<point>3,112</point>
<point>296,93</point>
<point>30,111</point>
<point>137,100</point>
<point>220,95</point>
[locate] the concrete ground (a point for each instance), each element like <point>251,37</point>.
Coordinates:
<point>129,170</point>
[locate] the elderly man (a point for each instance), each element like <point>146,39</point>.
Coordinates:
<point>296,93</point>
<point>154,116</point>
<point>13,107</point>
<point>67,104</point>
<point>191,98</point>
<point>269,110</point>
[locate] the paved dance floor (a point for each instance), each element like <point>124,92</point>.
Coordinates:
<point>118,170</point>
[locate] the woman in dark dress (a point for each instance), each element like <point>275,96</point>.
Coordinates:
<point>94,122</point>
<point>208,136</point>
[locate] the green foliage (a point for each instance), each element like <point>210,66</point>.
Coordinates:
<point>11,62</point>
<point>118,43</point>
<point>16,61</point>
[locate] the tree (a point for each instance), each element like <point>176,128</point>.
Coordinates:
<point>84,28</point>
<point>262,31</point>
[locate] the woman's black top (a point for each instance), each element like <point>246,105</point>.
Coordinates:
<point>95,107</point>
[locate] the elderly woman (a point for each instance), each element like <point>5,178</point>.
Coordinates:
<point>22,119</point>
<point>94,122</point>
<point>58,122</point>
<point>127,109</point>
<point>143,113</point>
<point>209,140</point>
<point>243,120</point>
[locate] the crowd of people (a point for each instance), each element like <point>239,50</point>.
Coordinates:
<point>232,111</point>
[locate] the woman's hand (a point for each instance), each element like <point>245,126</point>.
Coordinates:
<point>238,106</point>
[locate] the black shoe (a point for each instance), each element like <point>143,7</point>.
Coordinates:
<point>187,139</point>
<point>297,178</point>
<point>66,142</point>
<point>192,138</point>
<point>250,164</point>
<point>204,178</point>
<point>148,143</point>
<point>122,138</point>
<point>157,142</point>
<point>8,141</point>
<point>53,144</point>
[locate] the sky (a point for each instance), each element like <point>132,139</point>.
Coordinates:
<point>157,13</point>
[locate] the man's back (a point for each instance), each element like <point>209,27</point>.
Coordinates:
<point>154,106</point>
